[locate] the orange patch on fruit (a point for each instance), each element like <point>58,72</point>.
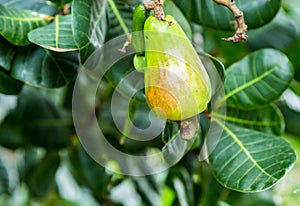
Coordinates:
<point>164,103</point>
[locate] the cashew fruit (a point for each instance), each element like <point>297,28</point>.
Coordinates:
<point>177,85</point>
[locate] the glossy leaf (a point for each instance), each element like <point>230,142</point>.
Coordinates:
<point>56,36</point>
<point>278,34</point>
<point>89,25</point>
<point>39,67</point>
<point>43,123</point>
<point>34,5</point>
<point>4,180</point>
<point>116,74</point>
<point>267,119</point>
<point>8,85</point>
<point>293,51</point>
<point>250,161</point>
<point>210,14</point>
<point>175,149</point>
<point>119,18</point>
<point>7,53</point>
<point>257,79</point>
<point>16,24</point>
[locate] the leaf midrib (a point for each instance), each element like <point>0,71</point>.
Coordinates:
<point>229,132</point>
<point>118,16</point>
<point>246,85</point>
<point>48,53</point>
<point>57,27</point>
<point>99,18</point>
<point>244,121</point>
<point>28,19</point>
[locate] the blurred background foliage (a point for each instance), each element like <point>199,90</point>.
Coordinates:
<point>42,45</point>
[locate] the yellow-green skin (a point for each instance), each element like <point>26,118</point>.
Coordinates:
<point>177,85</point>
<point>140,15</point>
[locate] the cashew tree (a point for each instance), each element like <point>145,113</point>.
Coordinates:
<point>149,102</point>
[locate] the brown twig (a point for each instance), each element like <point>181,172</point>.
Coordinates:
<point>157,6</point>
<point>241,27</point>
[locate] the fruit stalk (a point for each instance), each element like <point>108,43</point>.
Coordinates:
<point>157,6</point>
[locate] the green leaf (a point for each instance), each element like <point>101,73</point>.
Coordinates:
<point>267,119</point>
<point>10,131</point>
<point>4,180</point>
<point>250,161</point>
<point>43,68</point>
<point>119,18</point>
<point>35,5</point>
<point>171,129</point>
<point>257,80</point>
<point>40,176</point>
<point>292,119</point>
<point>148,189</point>
<point>210,14</point>
<point>16,24</point>
<point>29,158</point>
<point>61,3</point>
<point>281,27</point>
<point>43,123</point>
<point>56,36</point>
<point>182,182</point>
<point>176,148</point>
<point>167,196</point>
<point>85,170</point>
<point>222,203</point>
<point>8,85</point>
<point>290,108</point>
<point>89,25</point>
<point>265,198</point>
<point>7,53</point>
<point>209,187</point>
<point>116,74</point>
<point>293,52</point>
<point>181,193</point>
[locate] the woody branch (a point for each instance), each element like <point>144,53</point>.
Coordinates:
<point>241,27</point>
